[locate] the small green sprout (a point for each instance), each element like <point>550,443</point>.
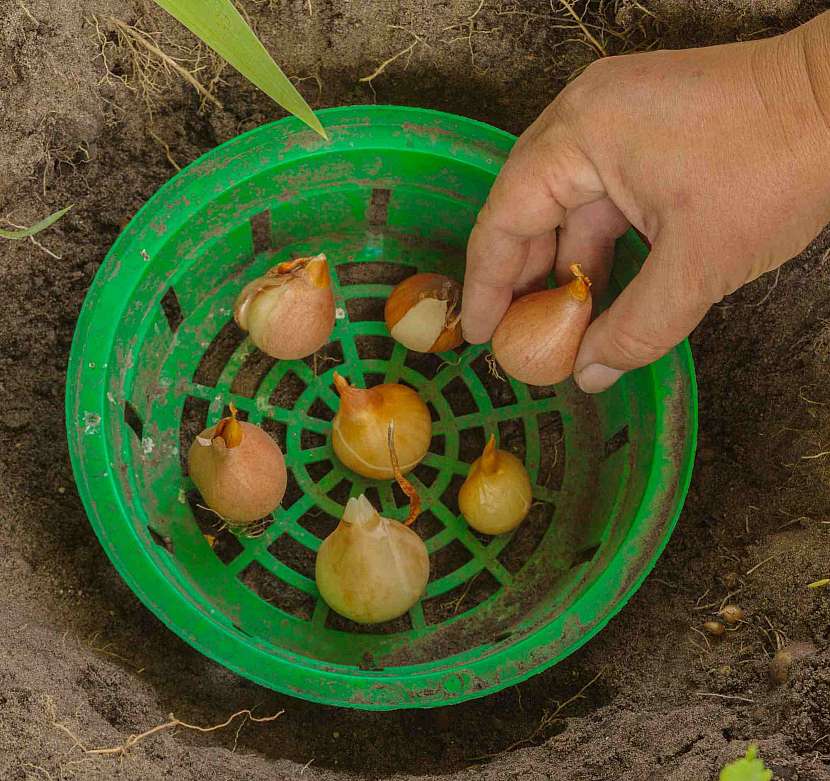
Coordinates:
<point>24,233</point>
<point>748,768</point>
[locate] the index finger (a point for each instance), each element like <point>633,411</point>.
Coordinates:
<point>541,179</point>
<point>519,211</point>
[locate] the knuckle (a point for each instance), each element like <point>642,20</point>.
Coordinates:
<point>635,347</point>
<point>568,103</point>
<point>696,281</point>
<point>491,216</point>
<point>599,73</point>
<point>598,68</point>
<point>587,97</point>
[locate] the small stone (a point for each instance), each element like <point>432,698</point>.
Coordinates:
<point>732,614</point>
<point>779,667</point>
<point>15,419</point>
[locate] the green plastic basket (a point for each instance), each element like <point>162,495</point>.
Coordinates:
<point>156,357</point>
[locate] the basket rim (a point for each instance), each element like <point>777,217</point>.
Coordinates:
<point>93,460</point>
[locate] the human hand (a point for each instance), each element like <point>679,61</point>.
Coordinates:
<point>718,156</point>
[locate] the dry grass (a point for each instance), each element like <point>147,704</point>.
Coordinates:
<point>407,52</point>
<point>147,59</point>
<point>590,29</point>
<point>548,719</point>
<point>122,749</point>
<point>57,154</point>
<point>605,28</point>
<point>586,29</point>
<point>149,62</point>
<point>473,28</point>
<point>493,367</point>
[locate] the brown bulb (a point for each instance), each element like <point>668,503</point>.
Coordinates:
<point>423,313</point>
<point>238,469</point>
<point>779,667</point>
<point>289,312</point>
<point>538,338</point>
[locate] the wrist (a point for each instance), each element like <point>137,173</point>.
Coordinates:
<point>813,42</point>
<point>792,75</point>
<point>787,91</point>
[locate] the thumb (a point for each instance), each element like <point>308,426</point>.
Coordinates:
<point>657,310</point>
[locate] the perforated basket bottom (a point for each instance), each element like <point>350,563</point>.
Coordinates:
<point>155,358</point>
<point>481,589</point>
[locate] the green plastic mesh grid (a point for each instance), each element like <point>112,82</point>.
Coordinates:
<point>157,357</point>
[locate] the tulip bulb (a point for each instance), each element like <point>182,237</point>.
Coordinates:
<point>371,569</point>
<point>538,338</point>
<point>359,429</point>
<point>496,496</point>
<point>289,312</point>
<point>238,469</point>
<point>423,313</point>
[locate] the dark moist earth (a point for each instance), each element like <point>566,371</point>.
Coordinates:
<point>86,117</point>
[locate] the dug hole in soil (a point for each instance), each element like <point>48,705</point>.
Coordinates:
<point>88,116</point>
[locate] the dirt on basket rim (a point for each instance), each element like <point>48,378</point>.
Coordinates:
<point>94,116</point>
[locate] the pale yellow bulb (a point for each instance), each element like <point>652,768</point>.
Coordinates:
<point>359,432</point>
<point>371,569</point>
<point>497,494</point>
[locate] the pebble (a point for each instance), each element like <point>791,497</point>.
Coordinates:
<point>15,419</point>
<point>779,667</point>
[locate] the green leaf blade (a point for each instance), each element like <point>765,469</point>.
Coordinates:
<point>24,233</point>
<point>221,26</point>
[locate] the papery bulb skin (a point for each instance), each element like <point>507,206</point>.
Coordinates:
<point>423,313</point>
<point>538,338</point>
<point>371,569</point>
<point>289,313</point>
<point>497,494</point>
<point>239,471</point>
<point>359,433</point>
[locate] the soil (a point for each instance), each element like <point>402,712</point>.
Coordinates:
<point>79,655</point>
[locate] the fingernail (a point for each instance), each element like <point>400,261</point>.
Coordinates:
<point>595,377</point>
